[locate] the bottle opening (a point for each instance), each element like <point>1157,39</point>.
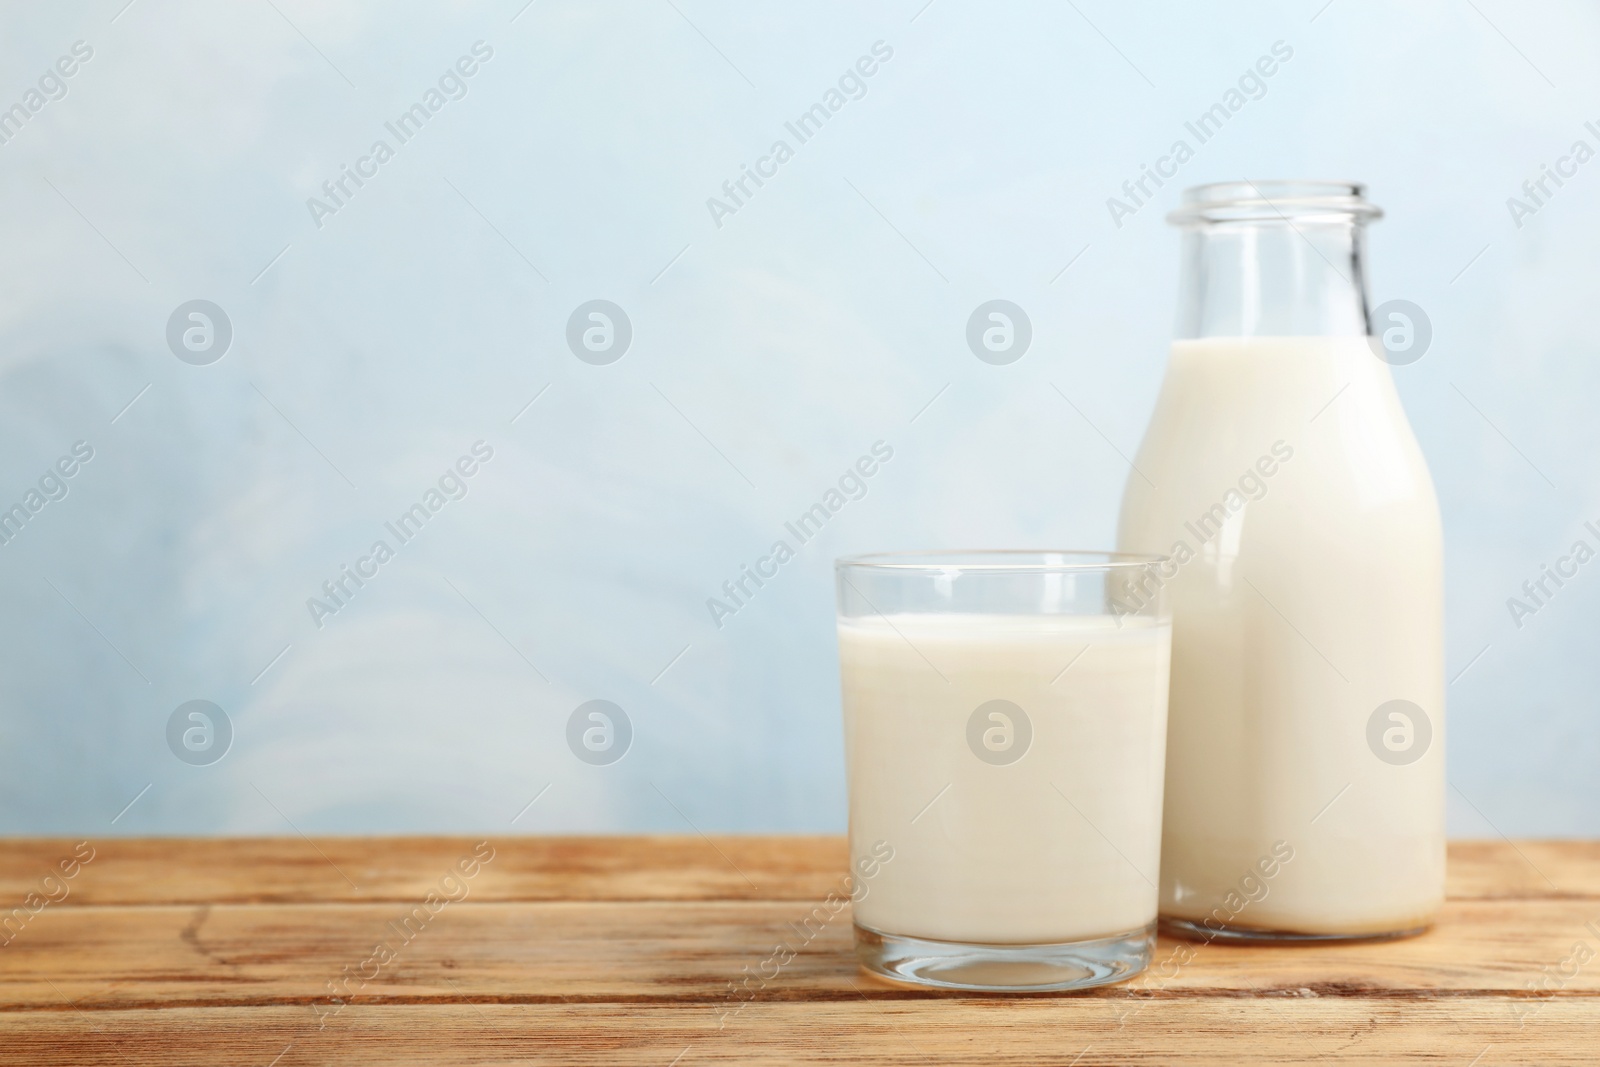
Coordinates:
<point>1275,200</point>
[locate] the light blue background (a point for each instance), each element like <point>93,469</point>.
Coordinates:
<point>821,317</point>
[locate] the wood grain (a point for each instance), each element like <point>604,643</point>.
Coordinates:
<point>108,957</point>
<point>1475,1031</point>
<point>297,870</point>
<point>622,950</point>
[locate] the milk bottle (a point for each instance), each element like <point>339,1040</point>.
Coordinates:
<point>1305,759</point>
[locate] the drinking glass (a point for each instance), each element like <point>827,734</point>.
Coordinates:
<point>1005,733</point>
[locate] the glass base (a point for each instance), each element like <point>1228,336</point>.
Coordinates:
<point>1193,931</point>
<point>1006,968</point>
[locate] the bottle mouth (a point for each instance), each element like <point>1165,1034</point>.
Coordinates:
<point>1275,200</point>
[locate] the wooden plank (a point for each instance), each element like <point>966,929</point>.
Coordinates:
<point>289,870</point>
<point>120,957</point>
<point>1507,870</point>
<point>979,1031</point>
<point>688,867</point>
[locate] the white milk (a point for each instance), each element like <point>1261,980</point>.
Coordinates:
<point>1060,845</point>
<point>1299,614</point>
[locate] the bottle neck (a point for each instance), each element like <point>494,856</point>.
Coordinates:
<point>1274,278</point>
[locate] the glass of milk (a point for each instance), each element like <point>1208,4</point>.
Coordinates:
<point>1005,730</point>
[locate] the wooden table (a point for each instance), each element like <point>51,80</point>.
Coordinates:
<point>624,951</point>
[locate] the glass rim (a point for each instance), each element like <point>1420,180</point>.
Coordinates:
<point>999,560</point>
<point>1275,200</point>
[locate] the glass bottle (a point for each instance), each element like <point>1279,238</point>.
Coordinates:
<point>1305,759</point>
